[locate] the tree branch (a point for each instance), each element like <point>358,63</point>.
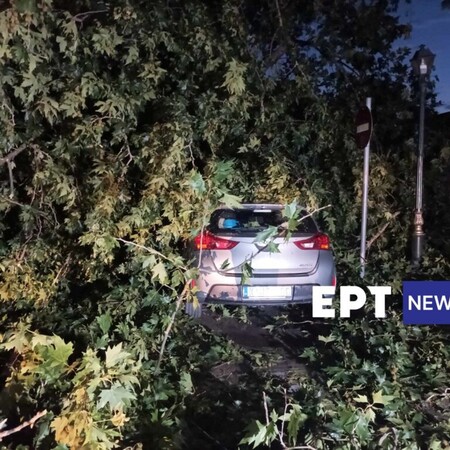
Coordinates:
<point>266,408</point>
<point>28,423</point>
<point>380,232</point>
<point>82,16</point>
<point>11,179</point>
<point>313,212</point>
<point>300,447</point>
<point>444,394</point>
<point>170,325</point>
<point>10,156</point>
<point>150,250</point>
<point>280,434</point>
<point>8,160</point>
<point>280,18</point>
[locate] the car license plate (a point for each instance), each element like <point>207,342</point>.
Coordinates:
<point>267,292</point>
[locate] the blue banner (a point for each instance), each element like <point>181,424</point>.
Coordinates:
<point>426,302</point>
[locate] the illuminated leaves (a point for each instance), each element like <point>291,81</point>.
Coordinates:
<point>381,399</point>
<point>25,6</point>
<point>232,201</point>
<point>353,423</point>
<point>361,399</point>
<point>55,353</point>
<point>119,419</point>
<point>69,429</point>
<point>198,183</point>
<point>292,420</point>
<point>258,434</point>
<point>290,211</point>
<point>267,234</point>
<point>327,339</point>
<point>137,123</point>
<point>159,272</point>
<point>115,355</point>
<point>186,384</point>
<point>116,397</point>
<point>43,356</point>
<point>234,78</point>
<point>104,321</point>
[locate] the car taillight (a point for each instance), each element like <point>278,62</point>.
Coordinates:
<point>207,241</point>
<point>318,242</point>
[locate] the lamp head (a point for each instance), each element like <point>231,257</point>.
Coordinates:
<point>422,61</point>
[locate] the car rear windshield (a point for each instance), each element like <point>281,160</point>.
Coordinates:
<point>252,221</point>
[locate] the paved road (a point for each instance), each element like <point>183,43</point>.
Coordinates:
<point>279,347</point>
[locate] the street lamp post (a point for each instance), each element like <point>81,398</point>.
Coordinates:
<point>422,63</point>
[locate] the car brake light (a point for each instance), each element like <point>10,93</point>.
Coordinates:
<point>207,241</point>
<point>318,242</point>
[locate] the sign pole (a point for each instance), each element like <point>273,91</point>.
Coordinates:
<point>365,198</point>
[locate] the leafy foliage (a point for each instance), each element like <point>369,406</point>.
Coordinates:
<point>123,127</point>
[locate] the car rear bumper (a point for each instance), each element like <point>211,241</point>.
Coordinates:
<point>214,287</point>
<point>229,294</point>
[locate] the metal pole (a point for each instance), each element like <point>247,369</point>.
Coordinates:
<point>418,233</point>
<point>364,200</point>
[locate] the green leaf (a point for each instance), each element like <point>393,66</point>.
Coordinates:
<point>41,339</point>
<point>62,43</point>
<point>379,398</point>
<point>266,234</point>
<point>436,444</point>
<point>149,261</point>
<point>361,399</point>
<point>273,248</point>
<point>222,171</point>
<point>24,6</point>
<point>292,224</point>
<point>232,201</point>
<point>362,428</point>
<point>117,396</point>
<point>198,183</point>
<point>274,416</point>
<point>104,321</point>
<point>290,211</point>
<point>234,78</point>
<point>57,352</point>
<point>186,383</point>
<point>327,339</point>
<point>159,272</point>
<point>354,422</point>
<point>255,435</point>
<point>62,351</point>
<point>247,272</point>
<point>296,421</point>
<point>115,355</point>
<point>370,414</point>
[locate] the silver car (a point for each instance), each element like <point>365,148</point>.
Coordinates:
<point>234,268</point>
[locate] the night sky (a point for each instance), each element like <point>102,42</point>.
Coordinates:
<point>431,27</point>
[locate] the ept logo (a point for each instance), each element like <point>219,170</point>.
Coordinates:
<point>352,298</point>
<point>426,302</point>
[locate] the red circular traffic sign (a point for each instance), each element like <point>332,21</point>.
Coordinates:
<point>363,127</point>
